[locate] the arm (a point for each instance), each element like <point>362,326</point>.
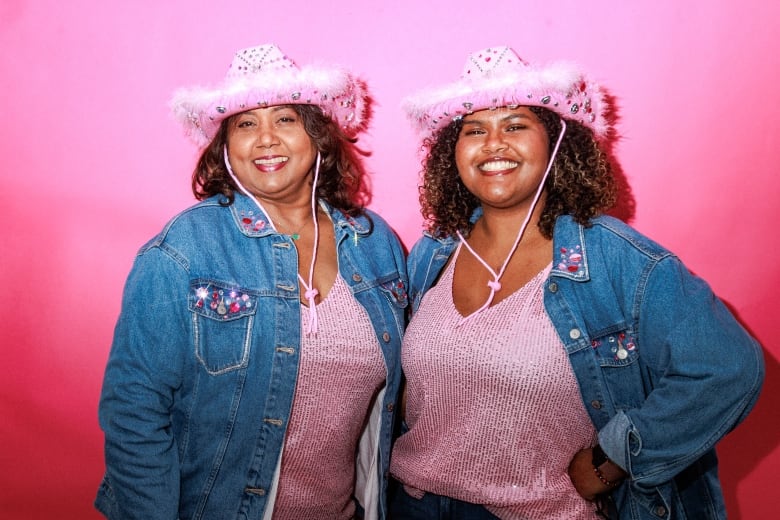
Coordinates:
<point>706,373</point>
<point>142,374</point>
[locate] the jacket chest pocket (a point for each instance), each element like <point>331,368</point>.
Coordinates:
<point>618,356</point>
<point>222,318</point>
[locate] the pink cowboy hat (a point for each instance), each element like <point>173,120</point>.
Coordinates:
<point>262,76</point>
<point>497,77</point>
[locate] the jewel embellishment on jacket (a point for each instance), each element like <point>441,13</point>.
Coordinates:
<point>222,302</point>
<point>252,223</point>
<point>619,345</point>
<point>398,290</point>
<point>570,259</point>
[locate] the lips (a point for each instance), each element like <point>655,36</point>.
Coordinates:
<point>271,163</point>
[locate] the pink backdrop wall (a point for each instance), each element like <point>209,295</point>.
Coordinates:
<point>92,166</point>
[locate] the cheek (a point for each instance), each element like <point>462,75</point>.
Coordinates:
<point>536,149</point>
<point>541,145</point>
<point>237,144</point>
<point>463,155</point>
<point>303,144</point>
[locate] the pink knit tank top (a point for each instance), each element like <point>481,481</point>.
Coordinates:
<point>341,369</point>
<point>493,407</point>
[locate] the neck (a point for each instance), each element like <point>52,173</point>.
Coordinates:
<point>500,226</point>
<point>289,216</point>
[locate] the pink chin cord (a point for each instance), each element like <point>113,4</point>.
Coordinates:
<point>495,284</point>
<point>311,292</point>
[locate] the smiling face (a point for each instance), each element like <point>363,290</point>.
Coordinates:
<point>271,154</point>
<point>502,155</point>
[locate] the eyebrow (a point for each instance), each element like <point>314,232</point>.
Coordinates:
<point>504,119</point>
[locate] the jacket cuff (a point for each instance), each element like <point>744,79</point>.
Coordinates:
<point>613,439</point>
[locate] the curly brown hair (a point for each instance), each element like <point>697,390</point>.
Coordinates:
<point>581,182</point>
<point>343,181</point>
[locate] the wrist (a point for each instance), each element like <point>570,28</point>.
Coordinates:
<point>609,473</point>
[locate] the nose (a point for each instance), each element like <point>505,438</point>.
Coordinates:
<point>266,136</point>
<point>494,141</point>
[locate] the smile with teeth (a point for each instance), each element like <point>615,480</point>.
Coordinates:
<point>497,166</point>
<point>271,161</point>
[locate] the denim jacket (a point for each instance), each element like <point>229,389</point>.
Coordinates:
<point>664,369</point>
<point>201,376</point>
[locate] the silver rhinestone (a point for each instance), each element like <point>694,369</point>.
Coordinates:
<point>575,108</point>
<point>467,105</point>
<point>546,100</point>
<point>221,110</point>
<point>296,96</point>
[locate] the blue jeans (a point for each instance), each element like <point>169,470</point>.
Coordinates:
<point>433,507</point>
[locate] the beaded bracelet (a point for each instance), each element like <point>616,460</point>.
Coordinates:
<point>602,478</point>
<point>599,458</point>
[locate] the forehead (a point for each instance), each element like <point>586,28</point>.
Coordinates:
<point>261,111</point>
<point>500,114</point>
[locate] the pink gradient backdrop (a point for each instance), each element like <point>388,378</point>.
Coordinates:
<point>93,166</point>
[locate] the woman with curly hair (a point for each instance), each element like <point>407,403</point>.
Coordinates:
<point>558,363</point>
<point>255,363</point>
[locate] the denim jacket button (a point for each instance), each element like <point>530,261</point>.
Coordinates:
<point>596,404</point>
<point>659,511</point>
<point>390,407</point>
<point>357,277</point>
<point>575,333</point>
<point>386,337</point>
<point>553,287</point>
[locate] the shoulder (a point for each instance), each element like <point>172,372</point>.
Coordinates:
<point>430,252</point>
<point>377,223</point>
<point>609,234</point>
<point>368,225</point>
<point>193,224</point>
<point>428,245</point>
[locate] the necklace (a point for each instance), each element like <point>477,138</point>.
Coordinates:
<point>296,235</point>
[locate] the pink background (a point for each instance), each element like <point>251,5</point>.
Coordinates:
<point>93,166</point>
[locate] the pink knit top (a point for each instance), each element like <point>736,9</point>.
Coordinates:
<point>493,407</point>
<point>341,369</point>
